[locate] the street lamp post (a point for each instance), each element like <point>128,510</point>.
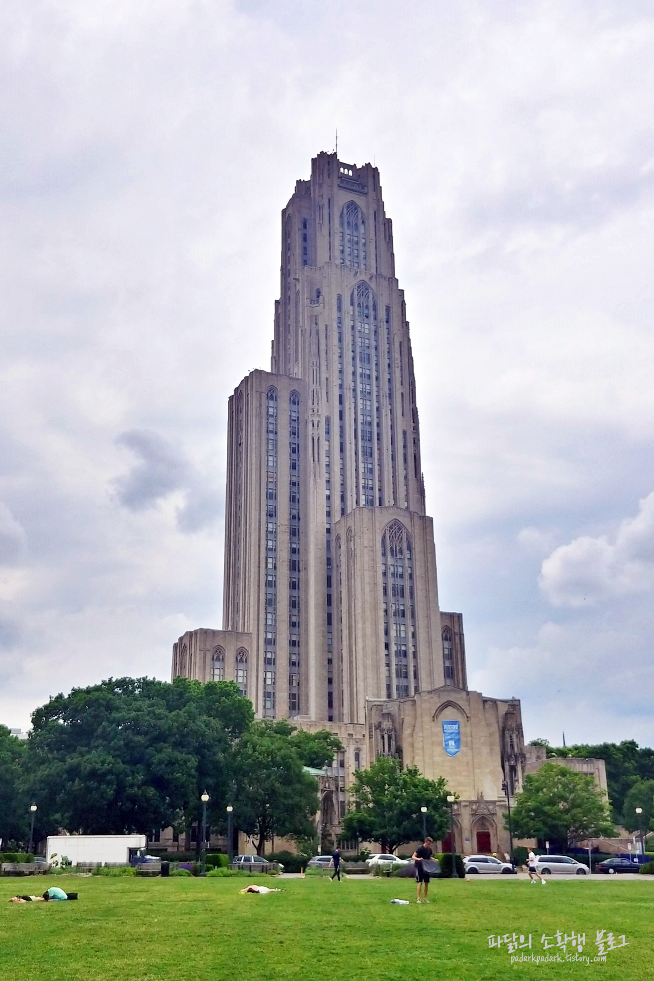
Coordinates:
<point>639,811</point>
<point>423,811</point>
<point>230,832</point>
<point>204,798</point>
<point>505,788</point>
<point>32,813</point>
<point>450,800</point>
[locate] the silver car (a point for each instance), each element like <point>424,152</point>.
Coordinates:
<point>320,862</point>
<point>486,864</point>
<point>560,865</point>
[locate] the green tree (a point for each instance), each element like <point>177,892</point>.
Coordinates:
<point>133,755</point>
<point>275,795</point>
<point>641,794</point>
<point>14,805</point>
<point>560,805</point>
<point>626,763</point>
<point>387,801</point>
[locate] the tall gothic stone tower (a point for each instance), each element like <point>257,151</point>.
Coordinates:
<point>329,556</point>
<point>330,611</point>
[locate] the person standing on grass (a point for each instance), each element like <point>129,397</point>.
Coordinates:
<point>532,868</point>
<point>336,859</point>
<point>420,856</point>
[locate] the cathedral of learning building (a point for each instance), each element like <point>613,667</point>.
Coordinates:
<point>330,610</point>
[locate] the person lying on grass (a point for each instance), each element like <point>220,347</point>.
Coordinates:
<point>262,890</point>
<point>53,893</point>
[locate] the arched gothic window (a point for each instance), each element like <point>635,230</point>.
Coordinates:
<point>448,657</point>
<point>353,236</point>
<point>400,645</point>
<point>242,670</point>
<point>218,664</point>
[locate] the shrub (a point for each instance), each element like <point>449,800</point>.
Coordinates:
<point>218,860</point>
<point>291,863</point>
<point>113,872</point>
<point>520,854</point>
<point>181,872</point>
<point>178,856</point>
<point>445,862</point>
<point>319,873</point>
<point>647,868</point>
<point>220,873</point>
<point>16,857</point>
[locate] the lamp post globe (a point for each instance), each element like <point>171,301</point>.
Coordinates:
<point>423,811</point>
<point>204,798</point>
<point>450,800</point>
<point>639,811</point>
<point>33,810</point>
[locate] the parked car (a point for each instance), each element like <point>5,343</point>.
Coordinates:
<point>320,862</point>
<point>386,861</point>
<point>612,865</point>
<point>560,865</point>
<point>487,864</point>
<point>254,863</point>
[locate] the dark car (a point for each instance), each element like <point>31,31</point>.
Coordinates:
<point>254,863</point>
<point>613,865</point>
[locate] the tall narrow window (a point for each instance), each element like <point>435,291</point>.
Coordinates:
<point>218,664</point>
<point>399,612</point>
<point>353,236</point>
<point>365,386</point>
<point>242,670</point>
<point>305,242</point>
<point>294,653</point>
<point>328,552</point>
<point>448,657</point>
<point>341,436</point>
<point>270,572</point>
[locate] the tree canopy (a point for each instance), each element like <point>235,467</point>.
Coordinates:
<point>133,754</point>
<point>13,803</point>
<point>560,805</point>
<point>275,795</point>
<point>640,794</point>
<point>387,801</point>
<point>626,763</point>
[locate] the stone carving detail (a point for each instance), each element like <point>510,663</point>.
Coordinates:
<point>479,807</point>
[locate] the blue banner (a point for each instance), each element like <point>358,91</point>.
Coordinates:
<point>451,738</point>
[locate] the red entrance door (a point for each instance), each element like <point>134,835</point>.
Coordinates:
<point>483,842</point>
<point>447,843</point>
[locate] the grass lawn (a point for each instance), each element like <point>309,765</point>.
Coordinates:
<point>140,929</point>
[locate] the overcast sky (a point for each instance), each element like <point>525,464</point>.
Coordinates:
<point>146,151</point>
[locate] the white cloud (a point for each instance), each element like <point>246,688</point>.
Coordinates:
<point>146,152</point>
<point>536,540</point>
<point>12,537</point>
<point>590,570</point>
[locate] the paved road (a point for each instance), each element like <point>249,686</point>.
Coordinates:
<point>520,877</point>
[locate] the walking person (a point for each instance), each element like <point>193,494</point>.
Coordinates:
<point>336,859</point>
<point>421,855</point>
<point>532,868</point>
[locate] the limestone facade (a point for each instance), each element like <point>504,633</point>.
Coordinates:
<point>215,655</point>
<point>330,583</point>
